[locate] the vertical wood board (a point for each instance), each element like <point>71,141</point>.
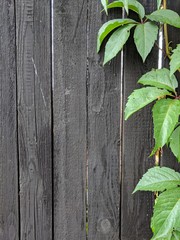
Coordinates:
<point>9,219</point>
<point>69,119</point>
<point>136,210</point>
<point>103,135</point>
<point>34,118</point>
<point>79,123</point>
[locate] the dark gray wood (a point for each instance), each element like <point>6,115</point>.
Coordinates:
<point>9,223</point>
<point>82,122</point>
<point>136,210</point>
<point>70,119</point>
<point>103,136</point>
<point>168,159</point>
<point>34,118</point>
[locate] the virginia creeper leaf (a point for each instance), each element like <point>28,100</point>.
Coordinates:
<point>158,179</point>
<point>145,36</point>
<point>165,117</point>
<point>176,235</point>
<point>165,16</point>
<point>142,97</point>
<point>126,6</point>
<point>109,27</point>
<point>175,60</point>
<point>160,78</point>
<point>158,3</point>
<point>116,42</point>
<point>105,3</point>
<point>132,5</point>
<point>175,143</point>
<point>166,218</point>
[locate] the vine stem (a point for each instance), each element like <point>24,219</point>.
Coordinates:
<point>166,33</point>
<point>164,5</point>
<point>157,157</point>
<point>158,154</point>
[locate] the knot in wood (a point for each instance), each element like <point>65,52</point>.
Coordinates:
<point>104,226</point>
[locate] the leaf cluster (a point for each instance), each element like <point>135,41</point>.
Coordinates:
<point>160,87</point>
<point>165,222</point>
<point>145,32</point>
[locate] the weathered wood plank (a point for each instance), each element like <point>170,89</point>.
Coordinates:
<point>136,209</point>
<point>9,223</point>
<point>103,136</point>
<point>34,118</point>
<point>69,119</point>
<point>168,158</point>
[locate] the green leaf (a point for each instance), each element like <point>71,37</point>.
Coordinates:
<point>165,117</point>
<point>166,217</point>
<point>165,16</point>
<point>105,3</point>
<point>116,42</point>
<point>160,78</point>
<point>159,3</point>
<point>132,5</point>
<point>145,36</point>
<point>126,3</point>
<point>158,179</point>
<point>176,235</point>
<point>142,97</point>
<point>175,60</point>
<point>175,143</point>
<point>109,27</point>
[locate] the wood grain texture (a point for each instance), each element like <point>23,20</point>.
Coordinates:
<point>168,159</point>
<point>9,222</point>
<point>103,135</point>
<point>85,113</point>
<point>34,118</point>
<point>136,210</point>
<point>70,119</point>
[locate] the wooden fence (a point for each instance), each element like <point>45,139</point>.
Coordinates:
<point>61,110</point>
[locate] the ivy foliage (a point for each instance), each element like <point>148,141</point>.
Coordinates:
<point>159,86</point>
<point>159,4</point>
<point>145,36</point>
<point>105,3</point>
<point>174,143</point>
<point>160,78</point>
<point>165,117</point>
<point>158,179</point>
<point>142,97</point>
<point>165,16</point>
<point>146,30</point>
<point>109,27</point>
<point>117,41</point>
<point>165,221</point>
<point>132,5</point>
<point>175,60</point>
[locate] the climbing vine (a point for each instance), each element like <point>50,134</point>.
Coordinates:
<point>159,86</point>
